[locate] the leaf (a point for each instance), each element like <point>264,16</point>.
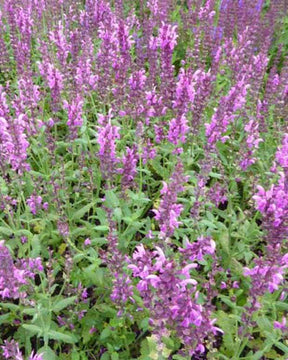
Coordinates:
<point>23,232</point>
<point>47,353</point>
<point>114,356</point>
<point>105,333</point>
<point>6,231</point>
<point>10,306</point>
<point>237,267</point>
<point>144,325</point>
<point>209,224</point>
<point>57,335</point>
<point>215,175</point>
<point>228,302</point>
<point>33,329</point>
<point>259,354</point>
<point>36,246</point>
<point>105,356</point>
<point>111,199</point>
<point>224,241</point>
<point>62,304</point>
<point>81,212</point>
<point>281,305</point>
<point>4,318</point>
<point>118,214</point>
<point>282,347</point>
<point>265,325</point>
<point>103,228</point>
<point>62,248</point>
<point>75,355</point>
<point>227,324</point>
<point>30,311</point>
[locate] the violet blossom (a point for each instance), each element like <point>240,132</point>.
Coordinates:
<point>169,211</point>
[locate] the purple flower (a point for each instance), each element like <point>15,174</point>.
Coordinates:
<point>169,211</point>
<point>281,325</point>
<point>35,203</point>
<point>129,167</point>
<point>107,137</point>
<point>87,242</point>
<point>34,356</point>
<point>11,351</point>
<point>167,37</point>
<point>170,295</point>
<point>178,129</point>
<point>74,110</point>
<point>282,153</point>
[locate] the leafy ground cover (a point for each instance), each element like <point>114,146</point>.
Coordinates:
<point>144,179</point>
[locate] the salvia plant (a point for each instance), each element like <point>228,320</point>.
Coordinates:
<point>143,179</point>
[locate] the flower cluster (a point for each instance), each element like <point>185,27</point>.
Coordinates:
<point>14,276</point>
<point>11,351</point>
<point>170,294</point>
<point>168,211</point>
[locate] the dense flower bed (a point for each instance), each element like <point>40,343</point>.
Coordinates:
<point>143,179</point>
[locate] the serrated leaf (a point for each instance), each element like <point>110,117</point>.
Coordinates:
<point>30,311</point>
<point>105,356</point>
<point>114,356</point>
<point>6,231</point>
<point>264,324</point>
<point>281,305</point>
<point>36,246</point>
<point>12,307</point>
<point>111,199</point>
<point>33,329</point>
<point>208,223</point>
<point>57,335</point>
<point>75,355</point>
<point>47,353</point>
<point>62,304</point>
<point>282,347</point>
<point>24,232</point>
<point>105,333</point>
<point>81,212</point>
<point>4,318</point>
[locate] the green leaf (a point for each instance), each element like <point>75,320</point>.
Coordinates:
<point>62,304</point>
<point>33,329</point>
<point>208,223</point>
<point>111,199</point>
<point>105,333</point>
<point>259,354</point>
<point>227,324</point>
<point>4,318</point>
<point>75,355</point>
<point>57,335</point>
<point>118,214</point>
<point>228,302</point>
<point>103,228</point>
<point>36,246</point>
<point>10,306</point>
<point>81,212</point>
<point>30,311</point>
<point>281,305</point>
<point>105,356</point>
<point>48,353</point>
<point>114,356</point>
<point>5,231</point>
<point>24,232</point>
<point>282,347</point>
<point>265,325</point>
<point>224,241</point>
